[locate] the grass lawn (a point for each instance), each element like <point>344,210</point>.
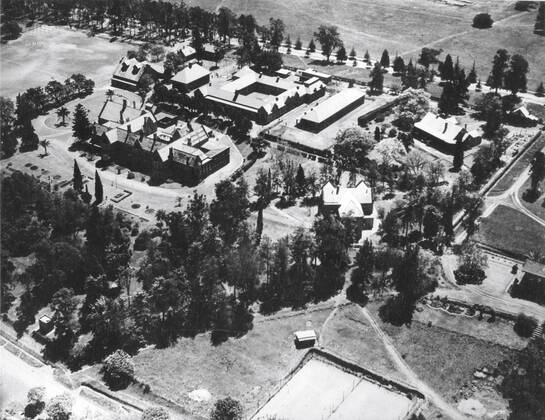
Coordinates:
<point>47,52</point>
<point>349,334</point>
<point>246,369</point>
<point>444,359</point>
<point>514,172</point>
<point>538,206</point>
<point>405,27</point>
<point>509,230</point>
<point>500,332</point>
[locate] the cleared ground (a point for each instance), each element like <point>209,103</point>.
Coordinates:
<point>509,230</point>
<point>405,27</point>
<point>444,359</point>
<point>322,390</point>
<point>246,369</point>
<point>49,52</point>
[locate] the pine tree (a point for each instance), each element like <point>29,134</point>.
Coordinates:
<point>539,27</point>
<point>259,226</point>
<point>472,76</point>
<point>311,46</point>
<point>385,59</point>
<point>378,134</point>
<point>298,44</point>
<point>499,66</point>
<point>341,55</point>
<point>399,65</point>
<point>86,195</point>
<point>99,192</point>
<point>367,57</point>
<point>78,180</point>
<point>410,78</point>
<point>540,91</point>
<point>515,77</point>
<point>447,69</point>
<point>82,126</point>
<point>29,138</point>
<point>448,103</point>
<point>458,159</point>
<point>377,78</point>
<point>300,180</point>
<point>352,54</point>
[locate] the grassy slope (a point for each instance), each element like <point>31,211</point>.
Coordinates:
<point>246,369</point>
<point>444,359</point>
<point>508,229</point>
<point>404,28</point>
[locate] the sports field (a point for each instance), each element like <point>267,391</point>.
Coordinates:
<point>323,390</point>
<point>404,27</point>
<point>48,52</point>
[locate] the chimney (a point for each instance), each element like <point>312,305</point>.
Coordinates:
<point>445,129</point>
<point>170,154</point>
<point>189,140</point>
<point>128,128</point>
<point>154,140</point>
<point>465,127</point>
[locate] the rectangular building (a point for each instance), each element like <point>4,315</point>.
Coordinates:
<point>330,110</point>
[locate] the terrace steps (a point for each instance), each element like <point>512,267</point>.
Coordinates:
<point>538,332</point>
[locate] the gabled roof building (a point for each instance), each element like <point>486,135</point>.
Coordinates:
<point>444,133</point>
<point>259,97</point>
<point>129,73</point>
<point>191,77</point>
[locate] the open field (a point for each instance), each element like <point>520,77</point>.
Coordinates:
<point>246,369</point>
<point>444,359</point>
<point>320,389</point>
<point>405,27</point>
<point>49,52</point>
<point>509,230</point>
<point>516,170</point>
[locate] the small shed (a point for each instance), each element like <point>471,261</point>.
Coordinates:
<point>305,338</point>
<point>45,324</point>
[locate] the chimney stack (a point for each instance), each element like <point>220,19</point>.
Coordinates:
<point>445,129</point>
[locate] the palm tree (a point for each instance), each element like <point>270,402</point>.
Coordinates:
<point>44,143</point>
<point>536,255</point>
<point>63,113</point>
<point>109,94</point>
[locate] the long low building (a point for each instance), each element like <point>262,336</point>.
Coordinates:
<point>259,97</point>
<point>330,110</point>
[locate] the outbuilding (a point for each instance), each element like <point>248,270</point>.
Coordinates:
<point>305,338</point>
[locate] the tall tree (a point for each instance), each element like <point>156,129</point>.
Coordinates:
<point>447,68</point>
<point>362,274</point>
<point>515,77</point>
<point>329,38</point>
<point>81,126</point>
<point>99,192</point>
<point>230,208</point>
<point>29,138</point>
<point>537,170</point>
<point>377,78</point>
<point>499,67</point>
<point>78,179</point>
<point>276,32</point>
<point>399,65</point>
<point>341,55</point>
<point>259,225</point>
<point>458,159</point>
<point>62,113</point>
<point>385,59</point>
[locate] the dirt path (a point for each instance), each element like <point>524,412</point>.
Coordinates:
<point>446,38</point>
<point>412,377</point>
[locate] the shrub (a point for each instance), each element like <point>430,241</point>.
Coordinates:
<point>380,118</point>
<point>227,409</point>
<point>130,175</point>
<point>524,6</point>
<point>525,325</point>
<point>482,21</point>
<point>36,402</point>
<point>392,132</point>
<point>60,407</point>
<point>156,178</point>
<point>118,370</point>
<point>155,413</point>
<point>469,275</point>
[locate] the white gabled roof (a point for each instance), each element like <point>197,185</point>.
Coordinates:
<point>305,335</point>
<point>190,73</point>
<point>349,199</point>
<point>444,129</point>
<point>525,113</point>
<point>333,104</point>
